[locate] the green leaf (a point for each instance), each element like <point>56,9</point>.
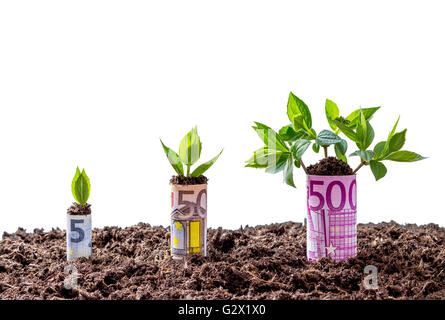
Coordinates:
<point>340,150</point>
<point>270,138</point>
<point>365,133</point>
<point>299,147</point>
<point>304,135</point>
<point>287,133</point>
<point>365,155</point>
<point>297,163</point>
<point>378,149</point>
<point>288,172</point>
<point>88,183</point>
<point>378,169</point>
<point>259,158</point>
<point>316,147</point>
<point>331,110</point>
<point>296,106</point>
<point>404,156</point>
<point>264,158</point>
<point>205,166</point>
<point>190,148</point>
<point>81,187</point>
<point>312,134</point>
<point>279,165</point>
<point>397,141</point>
<point>369,135</point>
<point>391,134</point>
<point>298,123</point>
<point>361,124</point>
<point>332,113</point>
<point>174,160</point>
<point>73,183</point>
<point>341,147</point>
<point>354,116</point>
<point>255,165</point>
<point>326,138</point>
<point>341,156</point>
<point>348,132</point>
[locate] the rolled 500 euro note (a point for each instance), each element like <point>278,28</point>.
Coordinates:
<point>332,217</point>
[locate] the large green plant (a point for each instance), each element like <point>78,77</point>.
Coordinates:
<point>189,153</point>
<point>284,149</point>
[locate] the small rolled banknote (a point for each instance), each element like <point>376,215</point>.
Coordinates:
<point>188,220</point>
<point>78,236</point>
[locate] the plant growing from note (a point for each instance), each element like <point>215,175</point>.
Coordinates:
<point>80,186</point>
<point>284,150</point>
<point>79,228</point>
<point>189,153</point>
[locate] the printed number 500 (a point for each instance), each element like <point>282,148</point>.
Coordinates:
<point>328,195</point>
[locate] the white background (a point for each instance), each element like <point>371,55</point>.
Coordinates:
<point>97,83</point>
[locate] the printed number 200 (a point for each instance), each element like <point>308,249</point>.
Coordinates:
<point>331,185</point>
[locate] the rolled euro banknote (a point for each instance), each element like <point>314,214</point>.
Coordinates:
<point>78,236</point>
<point>332,217</point>
<point>188,220</point>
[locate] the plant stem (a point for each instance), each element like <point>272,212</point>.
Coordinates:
<point>188,171</point>
<point>325,151</point>
<point>303,166</point>
<point>360,165</point>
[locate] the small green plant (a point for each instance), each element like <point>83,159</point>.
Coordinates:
<point>284,149</point>
<point>80,187</point>
<point>189,153</point>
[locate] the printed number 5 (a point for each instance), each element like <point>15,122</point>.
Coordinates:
<point>78,230</point>
<point>317,194</point>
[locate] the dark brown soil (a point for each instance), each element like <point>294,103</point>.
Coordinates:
<point>79,209</point>
<point>182,180</point>
<point>265,262</point>
<point>330,166</point>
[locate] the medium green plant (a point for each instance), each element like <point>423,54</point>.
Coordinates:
<point>284,149</point>
<point>189,153</point>
<point>80,187</point>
